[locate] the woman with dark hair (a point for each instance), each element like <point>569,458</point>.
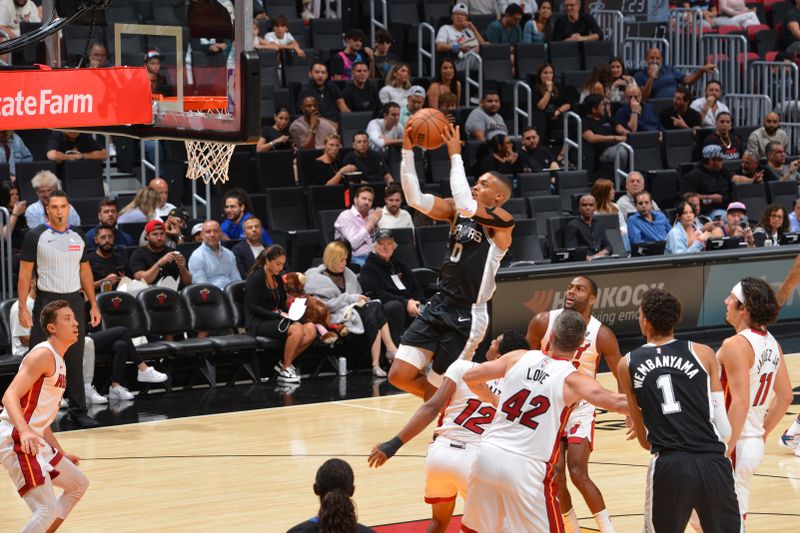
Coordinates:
<point>266,311</point>
<point>774,222</point>
<point>276,137</point>
<point>327,169</point>
<point>335,486</point>
<point>599,82</point>
<point>603,192</point>
<point>9,198</point>
<point>549,99</point>
<point>540,27</point>
<point>445,82</point>
<point>620,79</point>
<point>501,158</point>
<point>684,238</point>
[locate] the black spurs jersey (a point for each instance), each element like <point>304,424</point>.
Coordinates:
<point>673,391</point>
<point>472,260</point>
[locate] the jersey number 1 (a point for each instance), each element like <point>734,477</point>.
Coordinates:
<point>670,405</point>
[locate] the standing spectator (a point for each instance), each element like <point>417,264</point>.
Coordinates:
<point>485,122</point>
<point>13,151</point>
<point>387,131</point>
<point>17,225</point>
<point>575,25</point>
<point>248,249</point>
<point>414,102</point>
<point>540,28</point>
<point>731,144</point>
<point>369,162</point>
<point>72,146</point>
<point>637,116</point>
<point>12,12</point>
<point>634,184</point>
<point>711,181</point>
<point>142,208</point>
<point>46,183</point>
<point>329,98</point>
<point>549,98</point>
<point>533,156</point>
<point>586,231</point>
<point>154,261</point>
<point>445,82</point>
<point>280,39</point>
<point>107,215</point>
<point>500,158</point>
<point>327,169</point>
<point>660,81</point>
<point>777,169</point>
<point>772,225</point>
<point>357,224</point>
<point>162,188</point>
<point>647,225</point>
<point>398,85</point>
<point>58,254</point>
<point>680,115</point>
<point>735,225</point>
<point>603,193</point>
<point>459,37</point>
<point>794,221</point>
<point>310,130</point>
<point>238,208</point>
<point>684,237</point>
<point>211,262</point>
<point>620,79</point>
<point>601,131</point>
<point>107,264</point>
<point>709,105</point>
<point>275,137</point>
<point>393,216</point>
<point>769,132</point>
<point>507,30</point>
<point>342,62</point>
<point>383,58</point>
<point>265,307</point>
<point>360,93</point>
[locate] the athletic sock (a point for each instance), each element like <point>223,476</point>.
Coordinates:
<point>604,521</point>
<point>795,429</point>
<point>571,521</point>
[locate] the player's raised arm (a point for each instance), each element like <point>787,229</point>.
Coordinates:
<point>435,207</point>
<point>578,386</point>
<point>476,377</point>
<point>788,285</point>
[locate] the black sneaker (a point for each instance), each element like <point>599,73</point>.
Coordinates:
<point>82,421</point>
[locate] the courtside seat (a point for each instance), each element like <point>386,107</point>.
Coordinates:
<point>166,314</point>
<point>8,363</point>
<point>235,294</point>
<point>122,309</point>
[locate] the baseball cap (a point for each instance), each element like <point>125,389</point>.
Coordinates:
<point>153,225</point>
<point>416,90</point>
<point>460,7</point>
<point>178,213</point>
<point>737,206</point>
<point>153,53</point>
<point>712,151</point>
<point>197,228</point>
<point>383,234</point>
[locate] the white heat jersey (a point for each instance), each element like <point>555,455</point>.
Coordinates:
<point>587,355</point>
<point>762,379</point>
<point>466,417</point>
<point>40,405</point>
<point>532,412</point>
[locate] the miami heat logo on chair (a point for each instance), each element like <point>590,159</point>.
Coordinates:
<point>161,298</point>
<point>116,302</point>
<point>204,294</point>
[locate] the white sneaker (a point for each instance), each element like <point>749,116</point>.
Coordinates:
<point>378,372</point>
<point>92,396</point>
<point>288,375</point>
<point>119,393</point>
<point>151,375</point>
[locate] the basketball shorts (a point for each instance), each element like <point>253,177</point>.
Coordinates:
<point>447,468</point>
<point>580,424</point>
<point>678,482</point>
<point>510,493</point>
<point>448,331</point>
<point>746,458</point>
<point>28,472</point>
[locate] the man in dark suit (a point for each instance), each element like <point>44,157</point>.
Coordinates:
<point>247,250</point>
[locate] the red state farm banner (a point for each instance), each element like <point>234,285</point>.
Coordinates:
<point>46,98</point>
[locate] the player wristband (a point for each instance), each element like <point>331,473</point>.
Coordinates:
<point>390,448</point>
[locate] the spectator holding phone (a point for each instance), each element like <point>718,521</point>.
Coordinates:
<point>735,224</point>
<point>108,265</point>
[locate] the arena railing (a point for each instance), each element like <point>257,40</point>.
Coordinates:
<point>780,82</point>
<point>569,142</point>
<point>470,58</point>
<point>107,165</point>
<point>613,25</point>
<point>634,51</point>
<point>7,274</point>
<point>423,53</point>
<point>729,53</point>
<point>525,113</point>
<point>747,109</point>
<point>685,36</point>
<point>620,174</point>
<point>792,129</point>
<point>155,166</point>
<point>197,199</point>
<point>376,23</point>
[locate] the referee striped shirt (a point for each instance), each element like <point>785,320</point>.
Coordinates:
<point>56,258</point>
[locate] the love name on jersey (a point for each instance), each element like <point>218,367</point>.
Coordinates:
<point>537,374</point>
<point>659,361</point>
<point>463,232</point>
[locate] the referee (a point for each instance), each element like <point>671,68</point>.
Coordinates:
<point>58,253</point>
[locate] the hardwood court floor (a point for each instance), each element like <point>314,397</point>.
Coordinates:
<point>253,471</point>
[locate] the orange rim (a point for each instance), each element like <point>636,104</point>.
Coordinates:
<point>197,103</point>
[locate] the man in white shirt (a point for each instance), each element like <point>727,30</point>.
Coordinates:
<point>393,217</point>
<point>459,37</point>
<point>709,106</point>
<point>387,131</point>
<point>162,188</point>
<point>12,12</point>
<point>416,99</point>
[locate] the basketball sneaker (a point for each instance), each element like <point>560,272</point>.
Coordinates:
<point>790,442</point>
<point>288,375</point>
<point>119,393</point>
<point>151,375</point>
<point>92,396</point>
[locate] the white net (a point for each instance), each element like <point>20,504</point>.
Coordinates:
<point>209,160</point>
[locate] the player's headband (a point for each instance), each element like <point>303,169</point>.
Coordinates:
<point>738,292</point>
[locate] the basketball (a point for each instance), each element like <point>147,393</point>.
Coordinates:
<point>427,128</point>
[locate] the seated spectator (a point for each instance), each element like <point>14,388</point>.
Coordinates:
<point>107,215</point>
<point>414,102</point>
<point>550,99</point>
<point>174,226</point>
<point>448,105</point>
<point>701,222</point>
<point>354,52</point>
<point>161,186</point>
<point>660,81</point>
<point>117,340</point>
<point>248,249</point>
<point>485,122</point>
<point>709,106</point>
<point>528,8</point>
<point>281,39</point>
<point>17,226</point>
<point>398,84</point>
<point>98,56</point>
<point>770,132</point>
<point>238,208</point>
<point>329,98</point>
<point>383,58</point>
<point>211,262</point>
<point>444,83</point>
<point>711,181</point>
<point>735,225</point>
<point>154,261</point>
<point>587,232</point>
<point>196,235</point>
<point>603,193</point>
<point>369,162</point>
<point>459,37</point>
<point>772,225</point>
<point>620,80</point>
<point>360,94</point>
<point>599,82</point>
<point>634,184</point>
<point>637,116</point>
<point>647,225</point>
<point>750,168</point>
<point>684,237</point>
<point>142,208</point>
<point>310,130</point>
<point>501,157</point>
<point>483,7</point>
<point>601,131</point>
<point>533,156</point>
<point>539,28</point>
<point>794,221</point>
<point>731,144</point>
<point>393,216</point>
<point>791,21</point>
<point>44,183</point>
<point>16,11</point>
<point>357,224</point>
<point>73,146</point>
<point>576,25</point>
<point>159,81</point>
<point>507,30</point>
<point>729,13</point>
<point>275,137</point>
<point>680,116</point>
<point>337,511</point>
<point>387,131</point>
<point>337,286</point>
<point>266,309</point>
<point>777,169</point>
<point>327,169</point>
<point>108,265</point>
<point>386,278</point>
<point>13,151</point>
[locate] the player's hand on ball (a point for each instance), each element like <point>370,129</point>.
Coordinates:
<point>376,457</point>
<point>452,137</point>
